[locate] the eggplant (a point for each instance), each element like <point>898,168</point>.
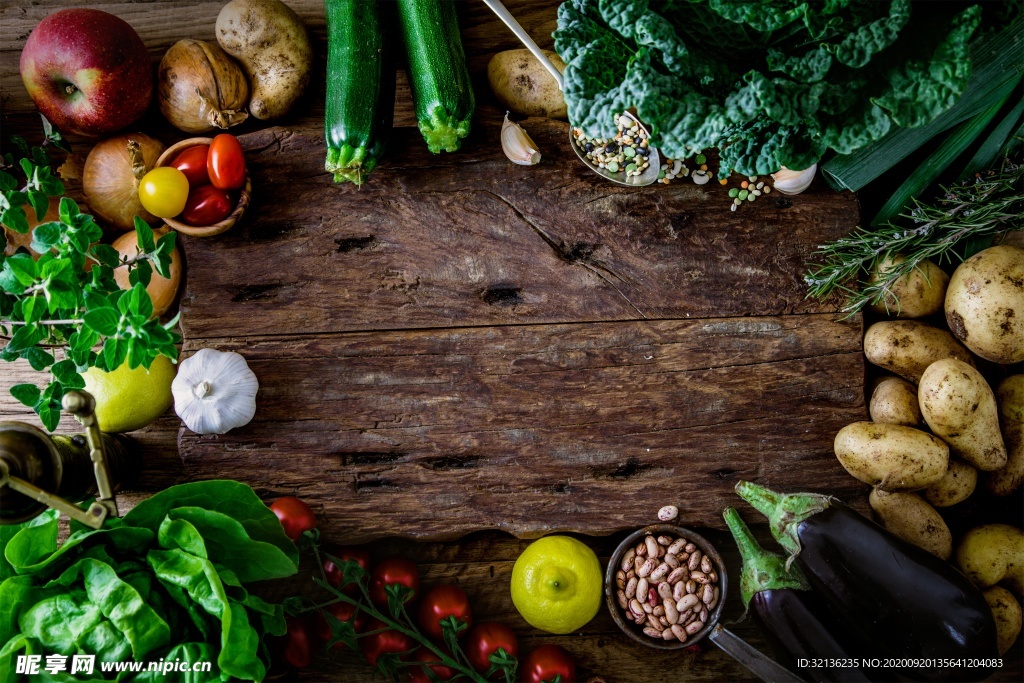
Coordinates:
<point>791,616</point>
<point>900,604</point>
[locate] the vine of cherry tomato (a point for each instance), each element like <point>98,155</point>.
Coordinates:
<point>440,602</point>
<point>342,611</point>
<point>296,517</point>
<point>545,663</point>
<point>394,570</point>
<point>334,574</point>
<point>385,642</point>
<point>484,640</point>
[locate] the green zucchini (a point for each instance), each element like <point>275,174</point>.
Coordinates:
<point>360,102</point>
<point>438,76</point>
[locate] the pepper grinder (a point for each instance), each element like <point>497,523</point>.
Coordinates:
<point>38,470</point>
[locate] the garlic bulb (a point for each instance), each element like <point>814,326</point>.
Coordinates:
<point>199,87</point>
<point>793,182</point>
<point>517,145</point>
<point>214,392</point>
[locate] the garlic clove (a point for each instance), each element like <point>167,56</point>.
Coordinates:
<point>793,182</point>
<point>517,144</point>
<point>214,392</point>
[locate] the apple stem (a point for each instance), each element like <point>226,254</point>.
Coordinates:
<point>70,89</point>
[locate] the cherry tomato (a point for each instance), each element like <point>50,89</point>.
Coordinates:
<point>342,611</point>
<point>295,516</point>
<point>207,205</point>
<point>439,603</point>
<point>386,642</point>
<point>546,662</point>
<point>484,640</point>
<point>418,674</point>
<point>334,574</point>
<point>163,191</point>
<point>391,571</point>
<point>298,642</point>
<point>192,162</point>
<point>226,163</point>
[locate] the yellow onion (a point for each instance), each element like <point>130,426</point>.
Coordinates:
<point>111,177</point>
<point>161,290</point>
<point>199,87</point>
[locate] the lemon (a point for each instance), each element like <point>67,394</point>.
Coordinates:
<point>127,400</point>
<point>557,584</point>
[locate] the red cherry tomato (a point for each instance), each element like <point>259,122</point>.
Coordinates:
<point>192,162</point>
<point>391,571</point>
<point>484,640</point>
<point>226,163</point>
<point>546,662</point>
<point>298,642</point>
<point>418,674</point>
<point>207,205</point>
<point>334,574</point>
<point>439,603</point>
<point>295,516</point>
<point>342,611</point>
<point>386,642</point>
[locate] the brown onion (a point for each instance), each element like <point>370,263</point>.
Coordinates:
<point>111,177</point>
<point>199,87</point>
<point>161,290</point>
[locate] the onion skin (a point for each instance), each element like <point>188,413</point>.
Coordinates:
<point>199,87</point>
<point>110,179</point>
<point>162,291</point>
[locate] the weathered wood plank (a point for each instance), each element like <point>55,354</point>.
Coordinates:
<point>532,429</point>
<point>471,239</point>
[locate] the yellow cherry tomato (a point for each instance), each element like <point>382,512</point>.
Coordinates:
<point>164,191</point>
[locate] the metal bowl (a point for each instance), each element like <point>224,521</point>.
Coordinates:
<point>631,629</point>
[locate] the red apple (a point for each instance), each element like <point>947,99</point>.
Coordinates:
<point>87,71</point>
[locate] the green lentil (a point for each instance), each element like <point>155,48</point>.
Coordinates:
<point>629,152</point>
<point>613,166</point>
<point>701,159</point>
<point>630,168</point>
<point>734,192</point>
<point>742,194</point>
<point>661,174</point>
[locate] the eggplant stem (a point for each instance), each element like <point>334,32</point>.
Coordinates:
<point>785,512</point>
<point>762,570</point>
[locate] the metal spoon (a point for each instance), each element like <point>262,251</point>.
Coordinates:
<point>649,175</point>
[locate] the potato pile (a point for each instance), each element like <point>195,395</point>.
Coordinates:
<point>936,422</point>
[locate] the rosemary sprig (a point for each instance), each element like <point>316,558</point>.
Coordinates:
<point>987,205</point>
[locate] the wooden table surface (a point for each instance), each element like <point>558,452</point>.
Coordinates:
<point>464,347</point>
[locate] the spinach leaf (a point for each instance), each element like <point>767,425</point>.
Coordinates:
<point>31,542</point>
<point>229,497</point>
<point>119,602</point>
<point>59,621</point>
<point>16,593</point>
<point>123,539</point>
<point>228,543</point>
<point>187,653</point>
<point>18,645</point>
<point>8,531</point>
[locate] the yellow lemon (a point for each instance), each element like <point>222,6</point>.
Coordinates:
<point>127,400</point>
<point>557,584</point>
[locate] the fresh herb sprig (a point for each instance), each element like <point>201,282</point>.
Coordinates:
<point>63,312</point>
<point>985,206</point>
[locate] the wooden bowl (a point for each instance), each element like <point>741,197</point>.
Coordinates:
<point>627,625</point>
<point>205,230</point>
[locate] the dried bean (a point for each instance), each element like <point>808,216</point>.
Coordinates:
<point>713,576</point>
<point>705,564</point>
<point>627,560</point>
<point>678,591</point>
<point>694,562</point>
<point>676,575</point>
<point>652,632</point>
<point>638,562</point>
<point>691,586</point>
<point>648,566</point>
<point>623,600</point>
<point>671,613</point>
<point>664,622</point>
<point>631,587</point>
<point>676,546</point>
<point>641,589</point>
<point>660,572</point>
<point>669,634</point>
<point>641,550</point>
<point>652,597</point>
<point>700,577</point>
<point>703,615</point>
<point>665,590</point>
<point>652,546</point>
<point>635,607</point>
<point>620,579</point>
<point>708,594</point>
<point>648,608</point>
<point>687,603</point>
<point>668,513</point>
<point>679,632</point>
<point>659,611</point>
<point>714,600</point>
<point>640,618</point>
<point>664,540</point>
<point>654,621</point>
<point>690,548</point>
<point>694,626</point>
<point>671,560</point>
